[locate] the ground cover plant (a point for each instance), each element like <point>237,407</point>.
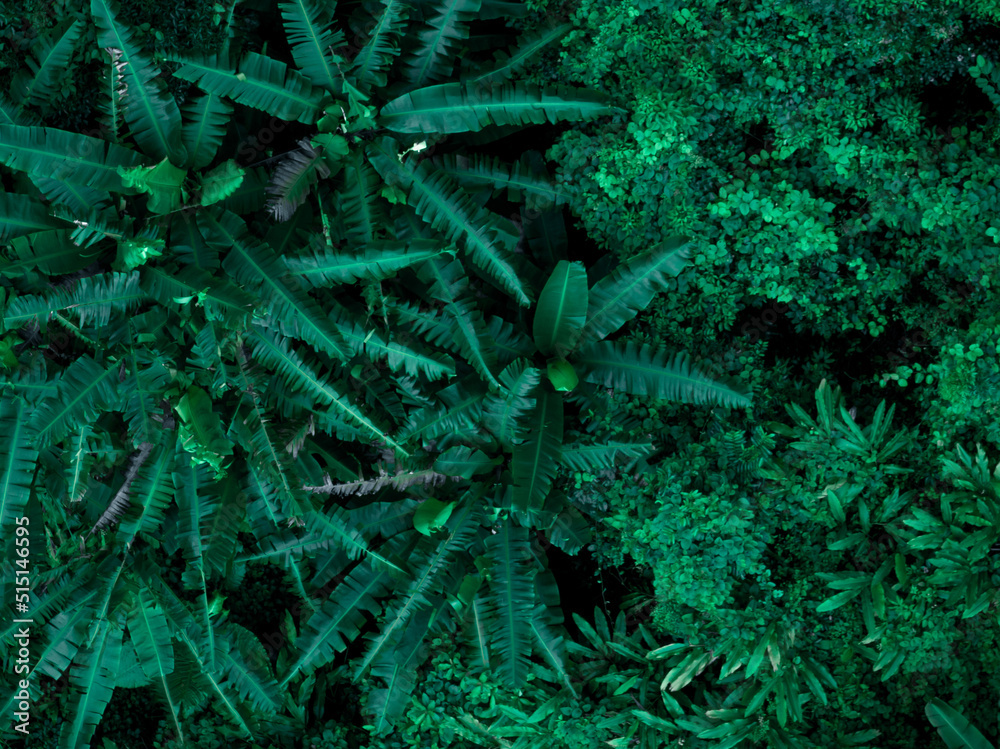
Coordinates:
<point>473,373</point>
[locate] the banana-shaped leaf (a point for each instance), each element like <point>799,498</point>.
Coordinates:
<point>92,679</point>
<point>537,458</point>
<point>464,107</point>
<point>527,47</point>
<point>205,120</point>
<point>955,729</point>
<point>562,310</point>
<point>437,42</point>
<point>65,156</point>
<point>511,602</point>
<point>288,365</point>
<point>506,415</point>
<point>261,83</point>
<point>620,296</point>
<point>339,620</point>
<point>150,110</point>
<point>644,369</point>
<point>92,301</point>
<point>450,285</point>
<point>377,261</point>
<point>253,263</point>
<point>595,457</point>
<point>17,459</point>
<point>85,390</point>
<point>307,24</point>
<point>52,53</point>
<point>21,215</point>
<point>489,239</point>
<point>520,179</point>
<point>382,46</point>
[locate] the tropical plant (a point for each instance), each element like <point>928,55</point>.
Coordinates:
<point>955,729</point>
<point>193,386</point>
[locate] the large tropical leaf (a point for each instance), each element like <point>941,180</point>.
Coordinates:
<point>381,47</point>
<point>68,157</point>
<point>261,83</point>
<point>52,55</point>
<point>92,679</point>
<point>536,459</point>
<point>86,389</point>
<point>150,110</point>
<point>17,458</point>
<point>436,44</point>
<point>205,120</point>
<point>489,239</point>
<point>620,296</point>
<point>307,24</point>
<point>955,729</point>
<point>511,601</point>
<point>464,107</point>
<point>21,215</point>
<point>506,414</point>
<point>325,266</point>
<point>644,369</point>
<point>561,310</point>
